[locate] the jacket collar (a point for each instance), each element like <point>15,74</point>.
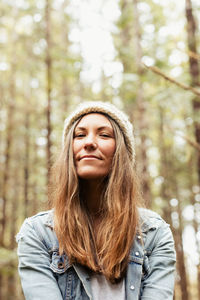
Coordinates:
<point>49,222</point>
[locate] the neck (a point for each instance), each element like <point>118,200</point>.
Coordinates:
<point>91,193</point>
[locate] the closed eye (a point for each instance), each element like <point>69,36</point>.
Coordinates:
<point>79,135</point>
<point>105,135</point>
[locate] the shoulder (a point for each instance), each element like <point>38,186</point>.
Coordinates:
<point>149,219</point>
<point>39,226</point>
<point>156,232</point>
<point>43,218</point>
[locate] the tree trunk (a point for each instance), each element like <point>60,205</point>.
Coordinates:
<point>34,193</point>
<point>11,284</point>
<point>49,83</point>
<point>26,163</point>
<point>195,205</point>
<point>14,215</point>
<point>167,170</point>
<point>142,118</point>
<point>194,72</point>
<point>6,171</point>
<point>164,169</point>
<point>180,255</point>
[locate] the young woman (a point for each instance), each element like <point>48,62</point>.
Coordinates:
<point>96,243</point>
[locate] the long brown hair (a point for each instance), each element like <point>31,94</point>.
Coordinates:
<point>108,250</point>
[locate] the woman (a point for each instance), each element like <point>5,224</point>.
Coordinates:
<point>96,243</point>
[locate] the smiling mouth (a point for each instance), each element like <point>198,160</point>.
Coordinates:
<point>89,157</point>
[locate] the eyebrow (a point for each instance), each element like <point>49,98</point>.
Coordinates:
<point>99,128</point>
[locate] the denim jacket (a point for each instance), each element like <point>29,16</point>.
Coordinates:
<point>47,275</point>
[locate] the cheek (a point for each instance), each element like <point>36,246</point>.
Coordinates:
<point>110,150</point>
<point>76,147</point>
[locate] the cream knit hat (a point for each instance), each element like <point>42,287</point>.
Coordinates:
<point>109,109</point>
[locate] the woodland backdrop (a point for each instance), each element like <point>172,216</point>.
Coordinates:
<point>142,55</point>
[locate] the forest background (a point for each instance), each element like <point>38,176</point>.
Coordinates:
<point>140,55</point>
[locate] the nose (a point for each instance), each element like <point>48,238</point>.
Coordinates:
<point>90,142</point>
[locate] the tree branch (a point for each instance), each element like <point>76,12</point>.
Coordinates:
<point>183,86</point>
<point>191,142</point>
<point>194,55</point>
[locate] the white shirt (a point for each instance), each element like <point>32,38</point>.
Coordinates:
<point>103,289</point>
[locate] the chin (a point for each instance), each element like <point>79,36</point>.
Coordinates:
<point>91,176</point>
<point>92,173</point>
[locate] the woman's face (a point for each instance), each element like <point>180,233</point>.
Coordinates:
<point>93,146</point>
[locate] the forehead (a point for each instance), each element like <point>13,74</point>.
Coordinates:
<point>95,119</point>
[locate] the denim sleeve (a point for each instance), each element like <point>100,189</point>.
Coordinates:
<point>159,281</point>
<point>38,281</point>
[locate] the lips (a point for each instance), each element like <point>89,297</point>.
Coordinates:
<point>89,157</point>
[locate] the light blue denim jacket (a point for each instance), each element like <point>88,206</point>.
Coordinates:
<point>46,275</point>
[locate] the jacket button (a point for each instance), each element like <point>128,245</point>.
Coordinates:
<point>132,287</point>
<point>139,237</point>
<point>137,253</point>
<point>60,265</point>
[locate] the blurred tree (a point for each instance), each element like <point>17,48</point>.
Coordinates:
<point>6,172</point>
<point>48,62</point>
<point>142,121</point>
<point>194,72</point>
<point>167,169</point>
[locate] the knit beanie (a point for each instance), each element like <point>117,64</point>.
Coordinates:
<point>109,109</point>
